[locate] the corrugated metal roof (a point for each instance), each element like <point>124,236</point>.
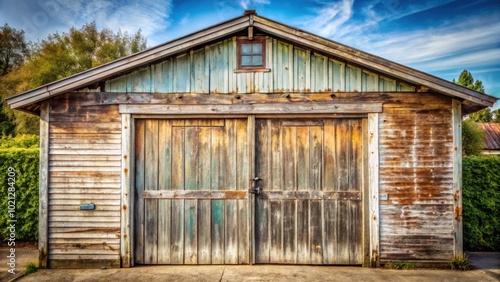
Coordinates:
<point>492,135</point>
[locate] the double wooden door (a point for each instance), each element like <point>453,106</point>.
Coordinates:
<point>193,204</point>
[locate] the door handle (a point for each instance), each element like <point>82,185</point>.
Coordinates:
<point>254,189</point>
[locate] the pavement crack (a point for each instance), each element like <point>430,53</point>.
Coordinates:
<point>222,275</point>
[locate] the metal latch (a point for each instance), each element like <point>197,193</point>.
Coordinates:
<point>255,190</point>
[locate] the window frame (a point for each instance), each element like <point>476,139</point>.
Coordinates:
<point>245,40</point>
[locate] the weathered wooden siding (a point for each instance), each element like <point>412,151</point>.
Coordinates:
<point>210,69</point>
<point>84,167</point>
<point>416,175</point>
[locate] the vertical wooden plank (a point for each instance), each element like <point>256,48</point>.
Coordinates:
<point>303,158</point>
<point>43,192</point>
<point>336,75</point>
<point>182,73</point>
<point>251,202</point>
<point>177,231</point>
<point>232,65</point>
<point>230,181</point>
<point>242,180</point>
<point>140,80</point>
<point>353,79</point>
<point>316,158</point>
<point>263,169</point>
<point>200,76</point>
<point>139,188</point>
<point>302,227</point>
<point>164,183</point>
<point>355,185</point>
<point>217,212</point>
<point>289,150</point>
<point>151,183</point>
<point>276,234</point>
<point>373,183</point>
<point>126,212</point>
<point>457,176</point>
<point>204,206</point>
<point>316,231</point>
<point>277,65</point>
<point>191,164</point>
<point>118,84</point>
<point>365,197</point>
<point>329,169</point>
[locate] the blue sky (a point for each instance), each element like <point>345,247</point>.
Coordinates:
<point>437,37</point>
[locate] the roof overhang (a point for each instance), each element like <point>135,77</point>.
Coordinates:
<point>471,99</point>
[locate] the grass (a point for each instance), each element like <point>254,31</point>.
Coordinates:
<point>30,268</point>
<point>461,262</point>
<point>401,265</point>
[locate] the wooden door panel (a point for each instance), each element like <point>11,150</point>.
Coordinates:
<point>191,192</point>
<point>310,208</point>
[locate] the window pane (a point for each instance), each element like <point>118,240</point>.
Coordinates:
<point>246,49</point>
<point>246,60</point>
<point>257,60</point>
<point>257,49</point>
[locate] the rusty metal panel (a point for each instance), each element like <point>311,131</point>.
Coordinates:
<point>416,179</point>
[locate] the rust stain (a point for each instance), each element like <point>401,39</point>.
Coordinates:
<point>125,171</point>
<point>124,207</point>
<point>458,213</point>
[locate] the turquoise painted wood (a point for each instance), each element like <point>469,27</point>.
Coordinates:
<point>211,69</point>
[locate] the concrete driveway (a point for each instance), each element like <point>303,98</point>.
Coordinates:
<point>487,269</point>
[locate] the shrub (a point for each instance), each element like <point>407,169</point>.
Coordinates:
<point>30,268</point>
<point>24,163</point>
<point>481,203</point>
<point>461,263</point>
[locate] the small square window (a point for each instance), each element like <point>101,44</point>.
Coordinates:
<point>251,54</point>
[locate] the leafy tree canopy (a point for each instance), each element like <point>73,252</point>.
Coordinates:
<point>13,48</point>
<point>472,138</point>
<point>62,55</point>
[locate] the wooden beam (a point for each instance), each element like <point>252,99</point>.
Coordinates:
<point>270,108</point>
<point>127,172</point>
<point>115,98</point>
<point>43,208</point>
<point>457,176</point>
<point>373,183</point>
<point>194,194</point>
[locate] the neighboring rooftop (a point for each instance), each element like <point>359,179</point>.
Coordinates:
<point>492,135</point>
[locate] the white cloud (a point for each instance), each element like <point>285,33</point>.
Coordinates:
<point>248,3</point>
<point>127,16</point>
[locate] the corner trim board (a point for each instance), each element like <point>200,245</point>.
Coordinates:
<point>457,177</point>
<point>373,183</point>
<point>43,208</point>
<point>126,216</point>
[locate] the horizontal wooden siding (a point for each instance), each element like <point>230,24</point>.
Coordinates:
<point>84,167</point>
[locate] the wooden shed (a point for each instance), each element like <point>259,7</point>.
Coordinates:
<point>249,142</point>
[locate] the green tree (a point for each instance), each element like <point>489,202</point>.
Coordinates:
<point>61,55</point>
<point>13,51</point>
<point>466,79</point>
<point>472,138</point>
<point>496,115</point>
<point>13,48</point>
<point>484,115</point>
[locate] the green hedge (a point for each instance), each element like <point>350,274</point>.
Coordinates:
<point>481,203</point>
<point>24,162</point>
